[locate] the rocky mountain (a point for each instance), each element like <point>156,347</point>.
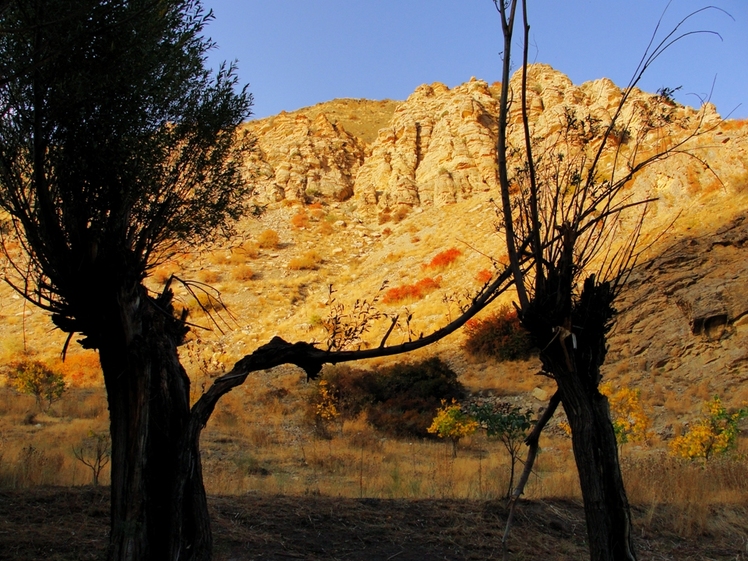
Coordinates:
<point>685,312</point>
<point>360,192</point>
<point>440,144</point>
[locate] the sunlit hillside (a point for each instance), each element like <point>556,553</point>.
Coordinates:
<point>394,204</point>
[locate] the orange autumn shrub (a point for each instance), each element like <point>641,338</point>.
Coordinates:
<point>414,291</point>
<point>80,368</point>
<point>483,276</point>
<point>300,220</point>
<point>444,258</point>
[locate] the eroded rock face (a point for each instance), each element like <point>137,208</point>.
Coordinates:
<point>301,159</point>
<point>685,313</point>
<point>440,145</point>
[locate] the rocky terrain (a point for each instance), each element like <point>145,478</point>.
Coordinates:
<point>683,318</point>
<point>361,192</point>
<point>353,198</point>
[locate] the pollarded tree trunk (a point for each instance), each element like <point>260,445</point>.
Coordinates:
<point>573,353</point>
<point>606,506</point>
<point>159,511</point>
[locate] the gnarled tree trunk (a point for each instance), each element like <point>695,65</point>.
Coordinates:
<point>159,511</point>
<point>606,506</point>
<point>572,352</point>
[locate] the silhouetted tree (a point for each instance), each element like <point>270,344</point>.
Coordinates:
<point>118,148</point>
<point>563,203</point>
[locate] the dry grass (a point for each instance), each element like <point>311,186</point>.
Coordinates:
<point>309,261</point>
<point>243,273</point>
<point>209,276</point>
<point>360,117</point>
<point>260,441</point>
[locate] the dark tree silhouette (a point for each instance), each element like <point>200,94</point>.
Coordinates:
<point>566,207</point>
<point>117,149</point>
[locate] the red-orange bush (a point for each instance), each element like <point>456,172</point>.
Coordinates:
<point>444,258</point>
<point>300,220</point>
<point>414,291</point>
<point>500,336</point>
<point>483,276</point>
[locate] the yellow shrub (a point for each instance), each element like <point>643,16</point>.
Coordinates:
<point>630,422</point>
<point>243,273</point>
<point>209,276</point>
<point>250,250</point>
<point>269,239</point>
<point>309,261</point>
<point>715,433</point>
<point>451,422</point>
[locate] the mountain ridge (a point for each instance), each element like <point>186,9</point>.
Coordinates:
<point>349,215</point>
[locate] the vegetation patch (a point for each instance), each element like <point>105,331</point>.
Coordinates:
<point>309,261</point>
<point>499,336</point>
<point>444,259</point>
<point>399,400</point>
<point>268,239</point>
<point>414,291</point>
<point>35,378</point>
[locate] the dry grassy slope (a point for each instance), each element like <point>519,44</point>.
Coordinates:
<point>361,117</point>
<point>352,248</point>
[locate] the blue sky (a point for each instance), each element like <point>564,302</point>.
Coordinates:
<point>295,53</point>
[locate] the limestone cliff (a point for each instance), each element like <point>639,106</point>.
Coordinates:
<point>298,158</point>
<point>440,145</point>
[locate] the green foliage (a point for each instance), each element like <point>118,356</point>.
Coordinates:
<point>453,423</point>
<point>398,400</point>
<point>33,377</point>
<point>499,336</point>
<point>714,434</point>
<point>117,144</point>
<point>509,424</point>
<point>501,420</point>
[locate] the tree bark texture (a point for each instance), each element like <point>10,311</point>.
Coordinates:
<point>572,352</point>
<point>606,506</point>
<point>148,394</point>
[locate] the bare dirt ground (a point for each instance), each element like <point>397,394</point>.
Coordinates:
<point>57,524</point>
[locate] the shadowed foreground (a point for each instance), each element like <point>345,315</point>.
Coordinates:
<point>59,524</point>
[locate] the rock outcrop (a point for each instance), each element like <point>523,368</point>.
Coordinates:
<point>684,314</point>
<point>301,159</point>
<point>440,144</point>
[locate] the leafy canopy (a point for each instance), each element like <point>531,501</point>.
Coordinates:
<point>117,145</point>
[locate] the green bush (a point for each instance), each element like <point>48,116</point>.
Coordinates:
<point>500,336</point>
<point>398,400</point>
